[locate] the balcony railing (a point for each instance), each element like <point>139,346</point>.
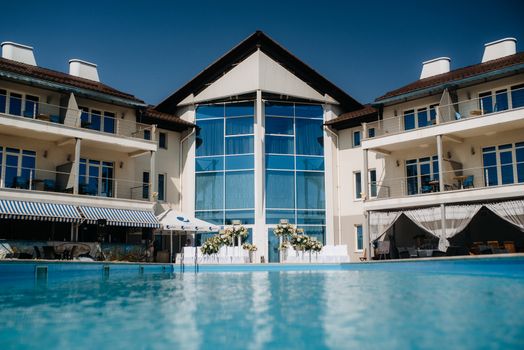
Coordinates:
<point>449,113</point>
<point>45,180</point>
<point>454,180</point>
<point>70,117</point>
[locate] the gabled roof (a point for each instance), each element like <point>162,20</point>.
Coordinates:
<point>440,82</point>
<point>351,119</point>
<point>165,120</point>
<point>258,40</point>
<point>53,76</point>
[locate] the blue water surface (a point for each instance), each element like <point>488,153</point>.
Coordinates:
<point>422,305</point>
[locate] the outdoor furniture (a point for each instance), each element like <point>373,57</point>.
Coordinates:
<point>56,119</point>
<point>510,246</point>
<point>494,244</point>
<point>37,252</point>
<point>382,249</point>
<point>49,185</point>
<point>468,182</point>
<point>426,187</point>
<point>21,182</point>
<point>364,256</point>
<point>49,252</point>
<point>460,179</point>
<point>44,117</point>
<point>412,252</point>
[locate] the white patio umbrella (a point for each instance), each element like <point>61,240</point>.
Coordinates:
<point>172,220</point>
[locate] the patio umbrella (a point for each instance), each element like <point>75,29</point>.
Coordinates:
<point>172,220</point>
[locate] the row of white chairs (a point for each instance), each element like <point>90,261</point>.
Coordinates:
<point>328,255</point>
<point>226,255</point>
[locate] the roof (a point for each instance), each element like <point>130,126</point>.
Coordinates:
<point>258,40</point>
<point>456,75</point>
<point>355,118</point>
<point>165,120</point>
<point>63,78</point>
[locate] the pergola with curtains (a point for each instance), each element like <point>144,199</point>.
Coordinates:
<point>444,222</point>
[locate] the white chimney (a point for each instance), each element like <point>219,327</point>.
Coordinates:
<point>83,69</point>
<point>500,48</point>
<point>434,67</point>
<point>18,52</point>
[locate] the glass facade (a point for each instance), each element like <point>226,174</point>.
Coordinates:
<point>18,167</point>
<point>419,173</point>
<point>504,164</point>
<point>96,178</point>
<point>224,164</point>
<point>294,162</point>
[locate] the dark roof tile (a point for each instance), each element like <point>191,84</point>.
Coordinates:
<point>456,75</point>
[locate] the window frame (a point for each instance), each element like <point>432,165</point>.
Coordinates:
<point>356,233</point>
<point>498,163</point>
<point>418,163</point>
<point>19,168</point>
<point>353,134</point>
<point>164,187</point>
<point>103,117</point>
<point>162,145</point>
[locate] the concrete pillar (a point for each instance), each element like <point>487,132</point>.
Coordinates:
<point>76,165</point>
<point>260,234</point>
<point>443,219</point>
<point>152,176</point>
<point>365,177</point>
<point>440,163</point>
<point>366,235</point>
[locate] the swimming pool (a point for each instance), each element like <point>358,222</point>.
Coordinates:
<point>430,305</point>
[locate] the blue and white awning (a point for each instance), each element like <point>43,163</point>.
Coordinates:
<point>120,217</point>
<point>13,209</point>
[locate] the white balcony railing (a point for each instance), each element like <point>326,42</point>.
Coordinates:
<point>454,180</point>
<point>509,99</point>
<point>56,181</point>
<point>73,118</point>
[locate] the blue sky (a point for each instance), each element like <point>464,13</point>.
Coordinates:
<point>151,48</point>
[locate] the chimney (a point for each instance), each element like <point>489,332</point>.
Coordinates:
<point>18,52</point>
<point>434,67</point>
<point>500,48</point>
<point>83,69</point>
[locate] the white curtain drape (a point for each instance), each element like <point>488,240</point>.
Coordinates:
<point>511,211</point>
<point>429,219</point>
<point>380,222</point>
<point>457,218</point>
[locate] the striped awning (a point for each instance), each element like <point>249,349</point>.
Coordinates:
<point>13,209</point>
<point>120,217</point>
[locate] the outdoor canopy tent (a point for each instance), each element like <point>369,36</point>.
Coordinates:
<point>171,220</point>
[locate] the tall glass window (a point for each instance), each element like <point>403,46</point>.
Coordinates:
<point>294,156</point>
<point>96,178</point>
<point>503,164</point>
<point>224,163</point>
<point>3,100</point>
<point>358,185</point>
<point>161,187</point>
<point>19,166</point>
<point>517,96</point>
<point>359,237</point>
<point>419,173</point>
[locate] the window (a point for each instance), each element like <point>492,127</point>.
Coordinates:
<point>31,106</point>
<point>98,120</point>
<point>517,96</point>
<point>358,185</point>
<point>294,155</point>
<point>373,183</point>
<point>224,163</point>
<point>356,138</point>
<point>422,117</point>
<point>3,100</point>
<point>419,173</point>
<point>96,178</point>
<point>15,104</point>
<point>18,167</point>
<point>161,187</point>
<point>503,164</point>
<point>371,132</point>
<point>145,185</point>
<point>147,134</point>
<point>162,140</point>
<point>359,237</point>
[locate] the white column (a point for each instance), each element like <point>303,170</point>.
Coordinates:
<point>260,234</point>
<point>330,181</point>
<point>440,163</point>
<point>152,176</point>
<point>76,166</point>
<point>365,196</point>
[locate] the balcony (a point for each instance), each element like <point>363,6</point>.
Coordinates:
<point>34,119</point>
<point>96,181</point>
<point>492,113</point>
<point>459,185</point>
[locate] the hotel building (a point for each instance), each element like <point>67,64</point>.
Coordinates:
<point>259,136</point>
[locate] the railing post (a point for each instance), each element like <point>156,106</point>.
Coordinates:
<point>364,177</point>
<point>437,115</point>
<point>152,176</point>
<point>31,179</point>
<point>115,194</point>
<point>440,163</point>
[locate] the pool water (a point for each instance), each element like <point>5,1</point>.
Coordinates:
<point>467,305</point>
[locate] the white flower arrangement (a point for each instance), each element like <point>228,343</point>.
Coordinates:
<point>306,243</point>
<point>286,230</point>
<point>236,231</point>
<point>249,247</point>
<point>211,246</point>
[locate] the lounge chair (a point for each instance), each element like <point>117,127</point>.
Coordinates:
<point>37,252</point>
<point>364,255</point>
<point>510,246</point>
<point>468,182</point>
<point>382,249</point>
